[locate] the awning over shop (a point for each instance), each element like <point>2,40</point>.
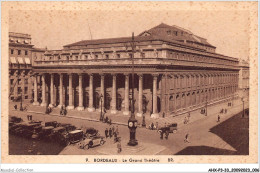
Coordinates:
<point>20,60</point>
<point>13,60</point>
<point>27,61</point>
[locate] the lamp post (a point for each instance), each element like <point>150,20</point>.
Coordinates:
<point>132,122</point>
<point>206,113</point>
<point>243,115</point>
<point>101,115</point>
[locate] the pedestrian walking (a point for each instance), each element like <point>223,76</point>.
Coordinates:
<point>157,125</point>
<point>152,126</point>
<point>161,134</point>
<point>187,138</point>
<point>185,120</point>
<point>119,148</point>
<point>218,118</point>
<point>106,133</point>
<point>113,130</point>
<point>110,132</point>
<point>188,116</point>
<point>117,131</point>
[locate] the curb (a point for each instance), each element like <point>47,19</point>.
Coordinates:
<point>89,119</point>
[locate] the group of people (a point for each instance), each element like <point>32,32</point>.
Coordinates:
<point>114,132</point>
<point>153,126</point>
<point>48,110</point>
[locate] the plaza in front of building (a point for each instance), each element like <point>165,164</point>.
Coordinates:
<point>207,136</point>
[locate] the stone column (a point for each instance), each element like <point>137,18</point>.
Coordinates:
<point>80,107</point>
<point>140,96</point>
<point>71,105</point>
<point>52,91</point>
<point>23,83</point>
<point>155,111</point>
<point>43,91</point>
<point>126,112</point>
<point>113,102</point>
<point>91,94</point>
<point>35,99</point>
<point>102,88</point>
<point>61,91</point>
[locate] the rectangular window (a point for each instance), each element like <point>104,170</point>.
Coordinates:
<point>19,52</point>
<point>12,51</point>
<point>118,55</point>
<point>19,90</point>
<point>19,81</point>
<point>11,81</point>
<point>25,81</point>
<point>96,56</point>
<point>26,52</point>
<point>130,55</point>
<point>25,90</point>
<point>142,55</point>
<point>107,56</point>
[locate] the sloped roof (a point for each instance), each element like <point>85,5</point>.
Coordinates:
<point>156,33</point>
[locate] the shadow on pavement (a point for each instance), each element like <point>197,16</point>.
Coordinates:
<point>234,131</point>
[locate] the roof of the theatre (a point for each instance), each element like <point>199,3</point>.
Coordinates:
<point>159,32</point>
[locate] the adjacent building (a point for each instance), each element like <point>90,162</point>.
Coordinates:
<point>175,71</point>
<point>20,66</point>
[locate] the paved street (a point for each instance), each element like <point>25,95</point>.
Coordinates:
<point>205,135</point>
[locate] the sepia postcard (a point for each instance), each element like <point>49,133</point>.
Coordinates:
<point>129,82</point>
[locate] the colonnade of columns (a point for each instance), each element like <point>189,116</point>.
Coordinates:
<point>91,108</point>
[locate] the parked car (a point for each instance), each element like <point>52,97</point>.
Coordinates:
<point>59,134</point>
<point>15,119</point>
<point>91,142</point>
<point>36,132</point>
<point>45,133</point>
<point>51,123</point>
<point>91,132</point>
<point>74,137</point>
<point>67,126</point>
<point>28,129</point>
<point>15,127</point>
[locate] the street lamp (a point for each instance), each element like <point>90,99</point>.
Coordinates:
<point>101,115</point>
<point>132,122</point>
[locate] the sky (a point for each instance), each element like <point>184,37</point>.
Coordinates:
<point>227,30</point>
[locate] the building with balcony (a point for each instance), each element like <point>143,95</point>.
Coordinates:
<point>175,71</point>
<point>20,65</point>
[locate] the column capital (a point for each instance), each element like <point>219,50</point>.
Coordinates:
<point>140,74</point>
<point>126,74</point>
<point>155,74</point>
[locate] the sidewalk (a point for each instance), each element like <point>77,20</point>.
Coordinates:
<point>121,119</point>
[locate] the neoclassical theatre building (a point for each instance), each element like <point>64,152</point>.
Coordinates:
<point>175,71</point>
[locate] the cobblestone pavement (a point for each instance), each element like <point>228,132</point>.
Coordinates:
<point>198,129</point>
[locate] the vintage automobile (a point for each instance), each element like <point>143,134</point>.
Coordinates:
<point>59,134</point>
<point>74,137</point>
<point>91,142</point>
<point>26,129</point>
<point>67,126</point>
<point>15,119</point>
<point>45,133</point>
<point>91,132</point>
<point>14,129</point>
<point>36,132</point>
<point>51,123</point>
<point>172,128</point>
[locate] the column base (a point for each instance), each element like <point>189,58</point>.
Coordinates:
<point>91,109</point>
<point>126,113</point>
<point>43,104</point>
<point>80,108</point>
<point>113,112</point>
<point>70,107</point>
<point>155,115</point>
<point>59,106</point>
<point>51,105</point>
<point>139,114</point>
<point>35,103</point>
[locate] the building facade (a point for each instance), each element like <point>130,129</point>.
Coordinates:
<point>174,71</point>
<point>20,65</point>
